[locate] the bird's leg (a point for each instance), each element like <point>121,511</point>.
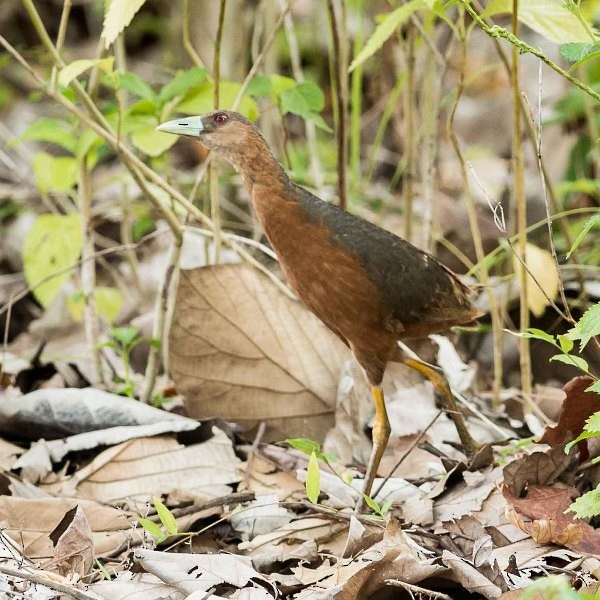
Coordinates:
<point>440,383</point>
<point>381,434</point>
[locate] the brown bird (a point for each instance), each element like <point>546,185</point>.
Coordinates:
<point>370,287</point>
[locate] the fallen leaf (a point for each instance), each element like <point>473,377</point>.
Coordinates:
<point>73,544</point>
<point>576,408</point>
<point>139,469</point>
<point>242,350</point>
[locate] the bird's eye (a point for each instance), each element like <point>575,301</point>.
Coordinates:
<point>220,119</point>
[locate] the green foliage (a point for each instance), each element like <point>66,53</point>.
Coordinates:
<point>201,98</point>
<point>313,479</point>
<point>108,303</point>
<point>119,15</point>
<point>592,223</point>
<point>387,26</point>
<point>587,505</point>
<point>587,327</point>
<point>53,244</point>
<point>552,587</point>
<point>579,52</point>
<point>380,511</point>
<point>54,174</point>
<point>77,67</point>
<point>554,20</point>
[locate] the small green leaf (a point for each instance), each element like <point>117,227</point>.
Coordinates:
<point>574,361</point>
<point>589,324</point>
<point>201,99</point>
<point>595,387</point>
<point>313,479</point>
<point>119,15</point>
<point>566,343</point>
<point>533,333</point>
<point>385,29</point>
<point>304,445</point>
<point>182,83</point>
<point>77,67</point>
<point>260,85</point>
<point>166,517</point>
<point>593,423</point>
<point>135,85</point>
<point>53,131</point>
<point>151,527</point>
<point>587,505</point>
<point>124,335</point>
<point>591,223</point>
<point>575,51</point>
<point>372,504</point>
<point>54,174</point>
<point>152,142</point>
<point>313,95</point>
<point>141,227</point>
<point>108,303</point>
<point>52,244</point>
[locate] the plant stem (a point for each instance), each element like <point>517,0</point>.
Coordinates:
<point>339,78</point>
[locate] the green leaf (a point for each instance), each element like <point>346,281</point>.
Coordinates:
<point>108,303</point>
<point>313,95</point>
<point>585,435</point>
<point>260,85</point>
<point>166,517</point>
<point>119,15</point>
<point>152,142</point>
<point>575,51</point>
<point>200,100</point>
<point>77,67</point>
<point>566,343</point>
<point>385,29</point>
<point>574,361</point>
<point>135,85</point>
<point>587,505</point>
<point>372,504</point>
<point>595,387</point>
<point>592,423</point>
<point>54,174</point>
<point>142,227</point>
<point>592,222</point>
<point>551,587</point>
<point>151,527</point>
<point>533,333</point>
<point>304,100</point>
<point>279,83</point>
<point>551,19</point>
<point>313,479</point>
<point>124,335</point>
<point>52,244</point>
<point>53,131</point>
<point>589,324</point>
<point>182,83</point>
<point>304,445</point>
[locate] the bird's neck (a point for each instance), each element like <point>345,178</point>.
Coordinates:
<point>257,165</point>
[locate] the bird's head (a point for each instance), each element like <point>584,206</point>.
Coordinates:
<point>220,130</point>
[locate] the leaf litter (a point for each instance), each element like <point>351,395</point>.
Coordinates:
<point>79,507</point>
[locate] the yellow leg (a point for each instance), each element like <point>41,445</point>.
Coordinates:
<point>381,435</point>
<point>440,383</point>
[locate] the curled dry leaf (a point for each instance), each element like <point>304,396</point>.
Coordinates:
<point>73,544</point>
<point>242,350</point>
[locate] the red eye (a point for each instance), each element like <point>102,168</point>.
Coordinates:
<point>220,119</point>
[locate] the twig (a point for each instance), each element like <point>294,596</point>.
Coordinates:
<point>49,583</point>
<point>415,589</point>
<point>262,427</point>
<point>341,97</point>
<point>496,31</point>
<point>187,44</point>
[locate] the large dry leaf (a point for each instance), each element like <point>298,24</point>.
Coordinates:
<point>142,468</point>
<point>29,523</point>
<point>242,350</point>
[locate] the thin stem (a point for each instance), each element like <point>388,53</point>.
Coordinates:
<point>187,44</point>
<point>356,103</point>
<point>60,38</point>
<point>499,32</point>
<point>340,68</point>
<point>409,137</point>
<point>521,206</point>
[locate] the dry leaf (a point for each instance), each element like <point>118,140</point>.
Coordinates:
<point>473,579</point>
<point>242,350</point>
<point>142,468</point>
<point>29,522</point>
<point>542,267</point>
<point>73,544</point>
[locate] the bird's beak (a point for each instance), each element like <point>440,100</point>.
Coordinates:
<point>190,126</point>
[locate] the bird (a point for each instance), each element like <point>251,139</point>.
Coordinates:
<point>371,288</point>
